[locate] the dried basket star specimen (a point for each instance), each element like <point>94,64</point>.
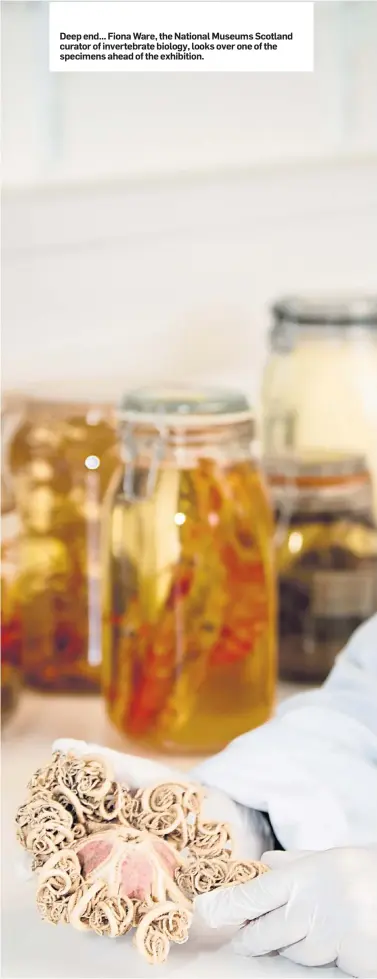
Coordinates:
<point>111,859</point>
<point>168,809</point>
<point>160,926</point>
<point>212,840</point>
<point>44,826</point>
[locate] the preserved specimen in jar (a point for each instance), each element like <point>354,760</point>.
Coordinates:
<point>189,589</point>
<point>326,558</point>
<point>61,458</point>
<point>10,612</point>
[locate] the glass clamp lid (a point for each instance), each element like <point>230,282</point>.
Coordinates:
<point>314,466</point>
<point>184,407</point>
<point>335,310</point>
<point>177,417</point>
<point>313,480</point>
<point>328,313</point>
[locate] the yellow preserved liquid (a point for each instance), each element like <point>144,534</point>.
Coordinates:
<point>189,623</point>
<point>61,462</point>
<point>10,631</point>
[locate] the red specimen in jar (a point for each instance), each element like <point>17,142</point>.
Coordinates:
<point>201,660</point>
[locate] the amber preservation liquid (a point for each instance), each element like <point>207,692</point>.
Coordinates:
<point>10,619</point>
<point>326,559</point>
<point>61,460</point>
<point>189,623</point>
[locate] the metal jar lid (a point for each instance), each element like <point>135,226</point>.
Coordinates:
<point>176,416</point>
<point>314,466</point>
<point>321,315</point>
<point>184,407</point>
<point>327,310</point>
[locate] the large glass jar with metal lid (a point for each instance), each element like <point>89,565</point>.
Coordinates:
<point>11,409</point>
<point>10,617</point>
<point>326,541</point>
<point>189,611</point>
<point>320,381</point>
<point>61,459</point>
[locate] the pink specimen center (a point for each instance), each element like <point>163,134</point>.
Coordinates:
<point>93,854</point>
<point>170,861</point>
<point>136,876</point>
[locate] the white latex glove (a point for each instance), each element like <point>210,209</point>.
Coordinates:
<point>312,768</point>
<point>252,833</point>
<point>314,908</point>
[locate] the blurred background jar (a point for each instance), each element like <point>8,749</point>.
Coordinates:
<point>326,557</point>
<point>10,617</point>
<point>12,406</point>
<point>320,381</point>
<point>61,459</point>
<point>189,623</point>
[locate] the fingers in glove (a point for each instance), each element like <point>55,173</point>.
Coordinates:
<point>70,744</point>
<point>24,869</point>
<point>269,933</point>
<point>359,961</point>
<point>312,952</point>
<point>245,902</point>
<point>281,858</point>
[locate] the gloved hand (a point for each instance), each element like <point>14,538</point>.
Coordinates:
<point>252,832</point>
<point>312,768</point>
<point>314,908</point>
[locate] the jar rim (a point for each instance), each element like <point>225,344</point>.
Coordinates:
<point>184,407</point>
<point>314,465</point>
<point>341,310</point>
<point>33,407</point>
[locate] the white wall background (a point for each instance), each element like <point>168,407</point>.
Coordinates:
<point>148,223</point>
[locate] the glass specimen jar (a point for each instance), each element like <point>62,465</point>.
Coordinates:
<point>10,618</point>
<point>189,604</point>
<point>320,381</point>
<point>61,460</point>
<point>326,558</point>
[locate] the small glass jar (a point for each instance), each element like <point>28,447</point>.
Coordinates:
<point>10,617</point>
<point>320,381</point>
<point>326,558</point>
<point>189,625</point>
<point>61,459</point>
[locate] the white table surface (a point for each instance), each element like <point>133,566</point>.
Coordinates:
<point>32,949</point>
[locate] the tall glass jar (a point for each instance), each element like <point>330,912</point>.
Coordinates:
<point>61,462</point>
<point>320,382</point>
<point>10,618</point>
<point>12,406</point>
<point>189,633</point>
<point>326,558</point>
